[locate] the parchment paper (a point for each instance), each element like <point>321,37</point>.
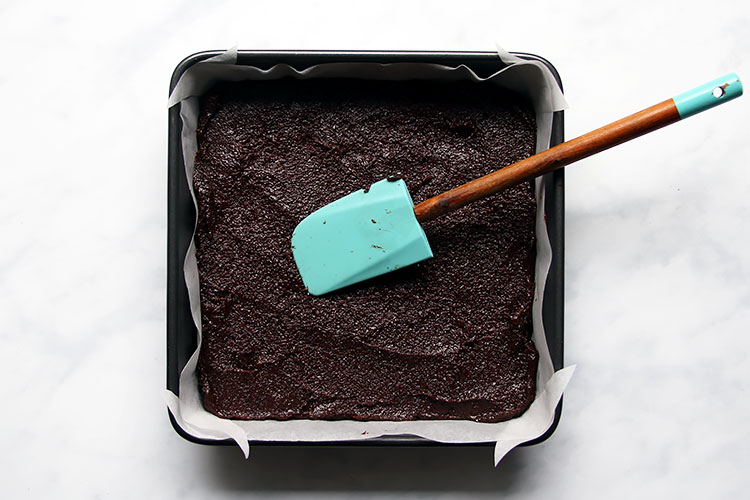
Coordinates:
<point>531,79</point>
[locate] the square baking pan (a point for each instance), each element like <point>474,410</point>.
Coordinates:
<point>181,331</point>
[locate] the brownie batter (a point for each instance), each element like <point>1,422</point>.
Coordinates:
<point>448,338</point>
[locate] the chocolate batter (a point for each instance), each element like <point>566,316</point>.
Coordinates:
<point>449,338</point>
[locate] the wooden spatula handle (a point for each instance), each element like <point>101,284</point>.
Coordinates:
<point>623,130</point>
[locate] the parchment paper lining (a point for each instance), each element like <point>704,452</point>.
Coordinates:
<point>531,79</point>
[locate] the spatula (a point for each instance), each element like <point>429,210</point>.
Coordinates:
<point>376,230</point>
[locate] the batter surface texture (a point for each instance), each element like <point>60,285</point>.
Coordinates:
<point>449,338</point>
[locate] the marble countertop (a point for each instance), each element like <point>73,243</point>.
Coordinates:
<point>657,267</point>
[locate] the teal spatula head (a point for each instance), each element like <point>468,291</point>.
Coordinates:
<point>359,236</point>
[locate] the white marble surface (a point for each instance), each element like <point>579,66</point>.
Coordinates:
<point>658,273</point>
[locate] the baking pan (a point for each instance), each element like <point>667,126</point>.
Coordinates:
<point>181,331</point>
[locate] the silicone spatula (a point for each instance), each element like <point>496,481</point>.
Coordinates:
<point>375,231</point>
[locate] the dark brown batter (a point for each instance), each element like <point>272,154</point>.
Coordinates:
<point>449,338</point>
